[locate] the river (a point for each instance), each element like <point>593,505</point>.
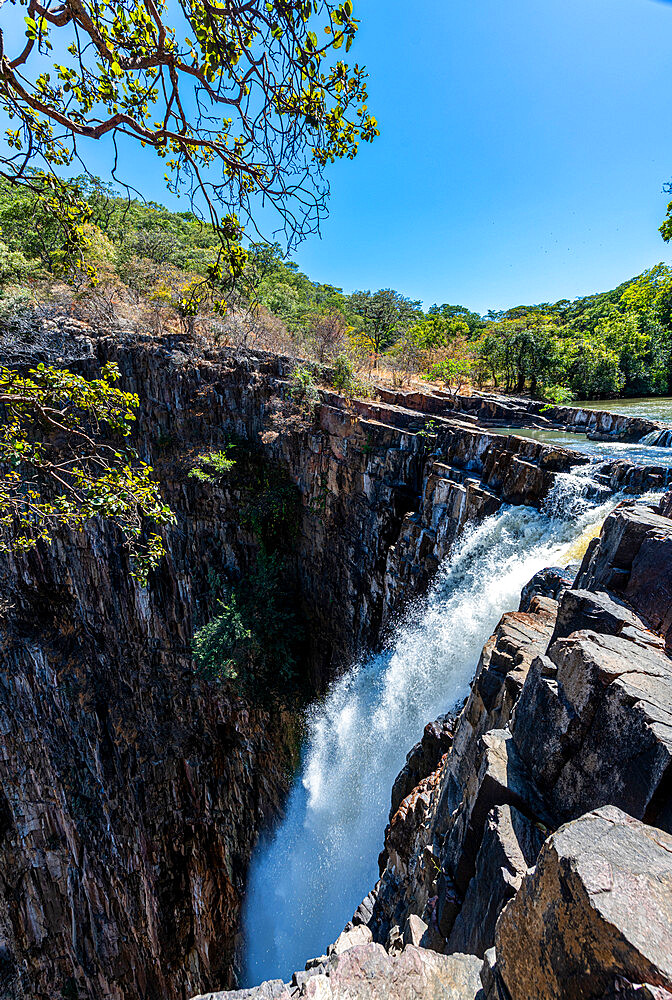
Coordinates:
<point>308,878</point>
<point>652,407</point>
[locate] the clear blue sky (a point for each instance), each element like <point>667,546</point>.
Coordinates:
<point>522,155</point>
<point>523,150</point>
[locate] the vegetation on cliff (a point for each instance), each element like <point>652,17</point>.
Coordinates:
<point>245,112</point>
<point>252,634</point>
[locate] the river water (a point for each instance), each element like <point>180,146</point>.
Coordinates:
<point>306,881</point>
<point>653,408</point>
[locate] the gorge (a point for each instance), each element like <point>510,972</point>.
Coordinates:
<point>134,790</point>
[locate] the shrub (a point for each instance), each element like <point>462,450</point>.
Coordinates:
<point>557,394</point>
<point>209,465</point>
<point>302,387</point>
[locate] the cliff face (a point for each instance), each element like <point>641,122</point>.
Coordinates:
<point>529,850</point>
<point>131,790</point>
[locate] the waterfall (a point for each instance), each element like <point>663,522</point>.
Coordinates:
<point>306,881</point>
<point>660,438</point>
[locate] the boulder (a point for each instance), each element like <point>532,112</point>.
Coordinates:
<point>621,695</point>
<point>369,973</point>
<point>509,848</point>
<point>414,930</point>
<point>598,907</point>
<point>350,939</point>
<point>549,582</point>
<point>582,609</point>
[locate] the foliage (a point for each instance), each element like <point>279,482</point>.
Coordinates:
<point>211,464</point>
<point>344,378</point>
<point>55,470</point>
<point>302,387</point>
<point>558,395</point>
<point>240,100</point>
<point>452,372</point>
<point>384,315</point>
<point>251,641</point>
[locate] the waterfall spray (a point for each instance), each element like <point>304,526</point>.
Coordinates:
<point>306,881</point>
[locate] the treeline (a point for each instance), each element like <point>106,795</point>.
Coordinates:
<point>157,270</point>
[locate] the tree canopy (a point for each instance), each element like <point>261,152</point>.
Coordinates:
<point>245,101</point>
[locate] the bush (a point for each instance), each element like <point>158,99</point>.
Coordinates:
<point>302,387</point>
<point>557,394</point>
<point>209,465</point>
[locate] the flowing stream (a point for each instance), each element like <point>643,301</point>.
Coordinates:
<point>307,880</point>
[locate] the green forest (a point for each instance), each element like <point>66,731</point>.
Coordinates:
<point>153,270</point>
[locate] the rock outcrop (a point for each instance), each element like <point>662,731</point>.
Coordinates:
<point>595,914</point>
<point>493,410</point>
<point>540,844</point>
<point>132,791</point>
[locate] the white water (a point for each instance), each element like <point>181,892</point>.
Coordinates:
<point>321,861</point>
<point>661,439</point>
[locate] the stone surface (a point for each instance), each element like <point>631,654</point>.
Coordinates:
<point>598,906</point>
<point>368,972</point>
<point>549,582</point>
<point>509,848</point>
<point>349,939</point>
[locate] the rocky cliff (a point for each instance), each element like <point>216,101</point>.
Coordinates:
<point>132,790</point>
<point>529,849</point>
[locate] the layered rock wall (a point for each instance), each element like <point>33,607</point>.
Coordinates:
<point>131,790</point>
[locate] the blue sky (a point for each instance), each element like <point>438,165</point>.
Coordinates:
<point>522,155</point>
<point>523,150</point>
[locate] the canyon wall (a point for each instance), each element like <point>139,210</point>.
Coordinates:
<point>529,849</point>
<point>132,790</point>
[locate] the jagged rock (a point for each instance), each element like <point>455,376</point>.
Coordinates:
<point>597,907</point>
<point>362,914</point>
<point>423,758</point>
<point>549,582</point>
<point>625,712</point>
<point>596,692</point>
<point>368,973</point>
<point>608,561</point>
<point>508,850</point>
<point>274,989</point>
<point>395,941</point>
<point>665,505</point>
<point>350,939</point>
<point>414,930</point>
<point>501,779</point>
<point>582,609</point>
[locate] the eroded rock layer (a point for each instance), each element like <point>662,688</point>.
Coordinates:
<point>537,838</point>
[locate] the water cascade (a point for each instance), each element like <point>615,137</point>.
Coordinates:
<point>660,439</point>
<point>306,881</point>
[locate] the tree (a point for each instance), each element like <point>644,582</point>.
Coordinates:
<point>385,315</point>
<point>250,105</point>
<point>56,470</point>
<point>245,105</point>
